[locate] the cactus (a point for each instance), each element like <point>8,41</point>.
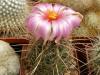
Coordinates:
<point>12,15</point>
<point>51,59</point>
<point>95,56</point>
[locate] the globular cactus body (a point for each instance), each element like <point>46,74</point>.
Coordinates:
<point>12,15</point>
<point>9,61</point>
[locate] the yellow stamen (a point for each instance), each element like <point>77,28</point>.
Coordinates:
<point>52,15</point>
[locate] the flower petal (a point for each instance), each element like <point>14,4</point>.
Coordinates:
<point>32,23</point>
<point>36,11</point>
<point>43,30</point>
<point>49,6</point>
<point>65,29</point>
<point>68,11</point>
<point>43,7</point>
<point>73,20</point>
<point>55,31</point>
<point>58,8</point>
<point>60,32</point>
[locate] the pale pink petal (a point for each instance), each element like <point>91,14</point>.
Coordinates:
<point>66,28</point>
<point>37,11</point>
<point>43,7</point>
<point>43,30</point>
<point>60,32</point>
<point>49,6</point>
<point>32,22</point>
<point>34,9</point>
<point>55,31</point>
<point>58,8</point>
<point>67,11</point>
<point>73,20</point>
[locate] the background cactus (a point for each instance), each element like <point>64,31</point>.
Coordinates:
<point>9,60</point>
<point>95,56</point>
<point>12,16</point>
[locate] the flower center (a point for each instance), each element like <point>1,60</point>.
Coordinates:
<point>52,15</point>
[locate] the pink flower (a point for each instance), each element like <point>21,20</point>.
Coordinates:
<point>52,21</point>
